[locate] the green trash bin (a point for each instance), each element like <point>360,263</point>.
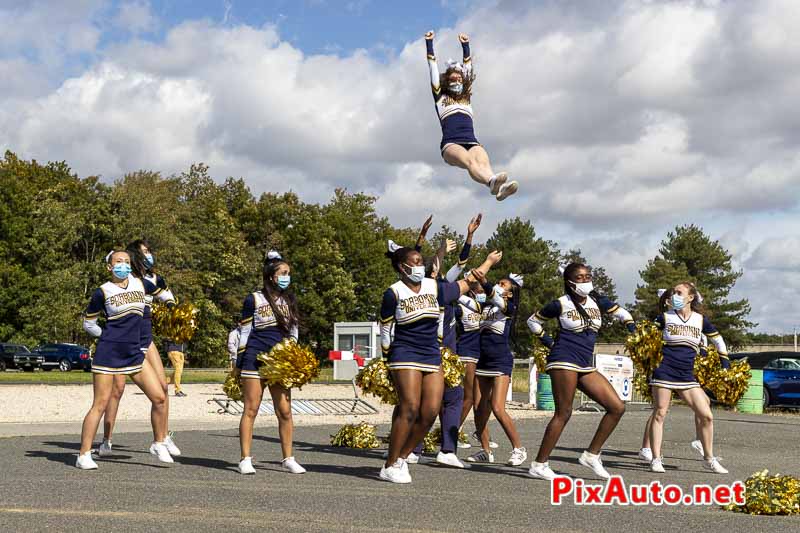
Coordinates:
<point>544,393</point>
<point>753,399</point>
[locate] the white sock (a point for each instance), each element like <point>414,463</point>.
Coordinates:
<point>491,181</point>
<point>591,455</point>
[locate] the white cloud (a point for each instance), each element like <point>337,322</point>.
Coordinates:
<point>136,17</point>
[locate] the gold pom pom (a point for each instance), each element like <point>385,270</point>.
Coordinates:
<point>288,364</point>
<point>540,353</point>
<point>770,495</point>
<point>727,384</point>
<point>644,346</point>
<point>433,440</point>
<point>452,368</point>
<point>232,387</point>
<point>356,436</point>
<point>177,323</point>
<point>375,379</point>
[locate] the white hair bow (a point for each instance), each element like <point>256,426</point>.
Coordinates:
<point>272,254</point>
<point>516,278</point>
<point>108,255</point>
<point>393,246</point>
<point>456,65</point>
<point>561,269</point>
<point>660,292</point>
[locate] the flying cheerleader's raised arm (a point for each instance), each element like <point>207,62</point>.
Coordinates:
<point>433,67</point>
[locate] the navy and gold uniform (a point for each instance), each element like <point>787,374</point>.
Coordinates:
<point>417,319</point>
<point>162,294</point>
<point>455,118</point>
<point>468,323</point>
<point>573,348</point>
<point>682,343</point>
<point>496,358</point>
<point>119,350</point>
<point>259,332</point>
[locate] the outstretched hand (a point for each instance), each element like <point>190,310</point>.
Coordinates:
<point>474,224</point>
<point>427,225</point>
<point>429,35</point>
<point>450,245</point>
<point>478,276</point>
<point>463,37</point>
<point>495,257</point>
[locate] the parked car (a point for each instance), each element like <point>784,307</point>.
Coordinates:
<point>781,376</point>
<point>18,356</point>
<point>64,356</point>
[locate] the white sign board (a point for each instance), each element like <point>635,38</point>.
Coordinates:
<point>618,370</point>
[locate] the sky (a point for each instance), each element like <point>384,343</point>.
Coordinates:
<point>619,119</point>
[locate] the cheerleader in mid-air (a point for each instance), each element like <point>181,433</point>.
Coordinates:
<point>495,366</point>
<point>268,317</point>
<point>570,365</point>
<point>413,304</point>
<point>142,263</point>
<point>119,353</point>
<point>683,328</point>
<point>452,92</point>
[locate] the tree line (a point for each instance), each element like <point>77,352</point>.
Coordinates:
<point>210,238</point>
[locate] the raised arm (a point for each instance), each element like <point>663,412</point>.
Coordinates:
<point>456,269</point>
<point>423,232</point>
<point>433,67</point>
<point>466,56</point>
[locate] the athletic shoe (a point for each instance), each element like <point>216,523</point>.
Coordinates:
<point>412,458</point>
<point>395,473</point>
<point>657,465</point>
<point>507,190</point>
<point>85,461</point>
<point>646,454</point>
<point>159,449</point>
<point>246,466</point>
<point>518,456</point>
<point>105,448</point>
<point>493,445</point>
<point>180,394</point>
<point>449,459</point>
<point>171,447</point>
<point>541,471</point>
<point>292,466</point>
<point>715,467</point>
<point>498,180</point>
<point>464,445</point>
<point>697,445</point>
<point>481,457</point>
<point>593,461</point>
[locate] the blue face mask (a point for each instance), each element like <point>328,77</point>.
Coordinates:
<point>148,260</point>
<point>678,302</point>
<point>481,298</point>
<point>284,281</point>
<point>121,270</point>
<point>456,88</point>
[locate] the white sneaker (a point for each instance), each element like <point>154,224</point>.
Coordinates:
<point>594,462</point>
<point>292,466</point>
<point>481,457</point>
<point>412,458</point>
<point>507,190</point>
<point>104,450</point>
<point>449,459</point>
<point>541,471</point>
<point>715,467</point>
<point>697,445</point>
<point>518,456</point>
<point>85,461</point>
<point>646,454</point>
<point>159,449</point>
<point>493,445</point>
<point>499,180</point>
<point>173,450</point>
<point>395,473</point>
<point>657,465</point>
<point>246,466</point>
<point>464,445</point>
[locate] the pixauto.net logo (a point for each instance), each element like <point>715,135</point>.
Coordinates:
<point>616,492</point>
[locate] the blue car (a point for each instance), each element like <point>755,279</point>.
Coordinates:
<point>781,376</point>
<point>64,356</point>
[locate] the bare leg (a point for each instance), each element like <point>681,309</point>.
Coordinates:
<point>600,390</point>
<point>661,400</point>
<point>483,409</point>
<point>646,437</point>
<point>102,384</point>
<point>404,416</point>
<point>432,391</point>
<point>252,393</point>
<point>475,161</point>
<point>282,400</point>
<point>564,384</point>
<point>469,391</point>
<point>147,380</point>
<point>697,400</point>
<point>154,359</point>
<point>498,402</point>
<point>110,416</point>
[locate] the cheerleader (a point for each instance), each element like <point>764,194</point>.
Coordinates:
<point>413,305</point>
<point>570,365</point>
<point>494,367</point>
<point>119,353</point>
<point>452,92</point>
<point>683,327</point>
<point>142,263</point>
<point>268,316</point>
